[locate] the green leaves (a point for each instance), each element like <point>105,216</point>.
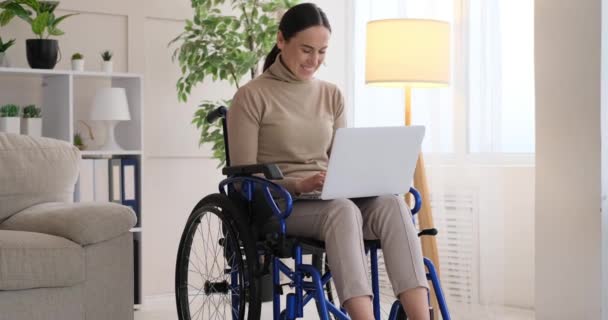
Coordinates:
<point>9,9</point>
<point>5,45</point>
<point>40,23</point>
<point>9,110</point>
<point>216,46</point>
<point>31,111</point>
<point>39,14</point>
<point>106,55</point>
<point>6,17</point>
<point>211,132</point>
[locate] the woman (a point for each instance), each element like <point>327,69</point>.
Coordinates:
<point>287,117</point>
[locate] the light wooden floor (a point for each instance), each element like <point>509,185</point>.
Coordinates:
<point>163,308</point>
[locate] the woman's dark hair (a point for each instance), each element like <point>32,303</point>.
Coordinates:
<point>296,19</point>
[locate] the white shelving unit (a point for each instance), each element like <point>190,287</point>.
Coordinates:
<point>64,94</point>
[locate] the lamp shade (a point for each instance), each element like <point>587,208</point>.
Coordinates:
<point>408,52</point>
<point>110,104</point>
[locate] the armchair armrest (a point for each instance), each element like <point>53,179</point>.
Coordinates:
<point>84,223</point>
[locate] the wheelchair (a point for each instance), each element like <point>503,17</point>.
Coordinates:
<point>225,259</point>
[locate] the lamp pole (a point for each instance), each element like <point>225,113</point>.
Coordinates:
<point>425,215</point>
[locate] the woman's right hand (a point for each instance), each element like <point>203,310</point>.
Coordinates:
<point>311,183</point>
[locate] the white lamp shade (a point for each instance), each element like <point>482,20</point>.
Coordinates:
<point>408,52</point>
<point>110,104</point>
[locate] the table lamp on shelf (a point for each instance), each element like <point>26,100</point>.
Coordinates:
<point>409,53</point>
<point>110,106</point>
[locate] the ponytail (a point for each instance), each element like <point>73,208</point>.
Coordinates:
<point>271,57</point>
<point>296,19</point>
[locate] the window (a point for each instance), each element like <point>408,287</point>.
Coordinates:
<point>494,42</point>
<point>501,76</point>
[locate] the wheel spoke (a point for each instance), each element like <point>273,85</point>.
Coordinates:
<point>212,253</point>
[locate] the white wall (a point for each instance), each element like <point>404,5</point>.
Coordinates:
<point>568,218</point>
<point>504,198</point>
<point>604,156</point>
<point>177,173</point>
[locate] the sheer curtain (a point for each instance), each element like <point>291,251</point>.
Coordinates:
<point>478,148</point>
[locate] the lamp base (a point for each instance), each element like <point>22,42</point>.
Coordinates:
<point>110,144</point>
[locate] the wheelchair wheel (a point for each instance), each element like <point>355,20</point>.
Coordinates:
<point>216,264</point>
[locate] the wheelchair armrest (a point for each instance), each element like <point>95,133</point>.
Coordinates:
<point>270,170</point>
<point>417,200</point>
<point>248,184</point>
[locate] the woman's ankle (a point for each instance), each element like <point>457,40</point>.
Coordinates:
<point>360,308</point>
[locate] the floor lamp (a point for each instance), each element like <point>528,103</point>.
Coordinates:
<point>410,53</point>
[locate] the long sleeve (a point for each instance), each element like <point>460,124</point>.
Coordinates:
<point>339,116</point>
<point>243,128</point>
<point>244,118</point>
<point>339,113</point>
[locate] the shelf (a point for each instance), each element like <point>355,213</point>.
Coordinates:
<point>110,152</point>
<point>98,74</point>
<point>26,71</point>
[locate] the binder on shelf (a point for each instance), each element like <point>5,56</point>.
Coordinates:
<point>115,176</point>
<point>85,188</point>
<point>101,180</point>
<point>124,183</point>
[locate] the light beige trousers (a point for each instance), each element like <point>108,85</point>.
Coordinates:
<point>344,223</point>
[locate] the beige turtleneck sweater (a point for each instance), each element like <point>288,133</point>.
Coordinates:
<point>276,118</point>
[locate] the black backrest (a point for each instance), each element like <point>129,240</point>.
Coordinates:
<point>221,112</point>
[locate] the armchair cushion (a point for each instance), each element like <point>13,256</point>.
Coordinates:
<point>34,260</point>
<point>84,223</point>
<point>35,170</point>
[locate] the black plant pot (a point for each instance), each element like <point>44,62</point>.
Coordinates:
<point>42,53</point>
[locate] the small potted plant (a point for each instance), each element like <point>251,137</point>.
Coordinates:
<point>78,142</point>
<point>3,47</point>
<point>31,121</point>
<point>78,61</point>
<point>9,118</point>
<point>106,63</point>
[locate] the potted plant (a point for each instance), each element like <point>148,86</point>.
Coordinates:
<point>106,61</point>
<point>31,121</point>
<point>78,142</point>
<point>42,52</point>
<point>78,62</point>
<point>228,47</point>
<point>3,47</point>
<point>9,118</point>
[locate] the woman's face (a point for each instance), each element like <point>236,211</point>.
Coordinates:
<point>305,51</point>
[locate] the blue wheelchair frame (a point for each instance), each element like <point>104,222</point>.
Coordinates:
<point>305,291</point>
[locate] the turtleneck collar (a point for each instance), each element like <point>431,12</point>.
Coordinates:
<point>280,72</point>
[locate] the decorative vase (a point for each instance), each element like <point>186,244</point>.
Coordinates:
<point>10,124</point>
<point>107,66</point>
<point>78,64</point>
<point>31,126</point>
<point>42,53</point>
<point>4,60</point>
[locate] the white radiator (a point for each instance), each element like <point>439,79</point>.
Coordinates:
<point>455,216</point>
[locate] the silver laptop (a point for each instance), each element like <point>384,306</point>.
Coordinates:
<point>367,162</point>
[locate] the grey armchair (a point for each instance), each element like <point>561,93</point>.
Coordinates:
<point>58,259</point>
